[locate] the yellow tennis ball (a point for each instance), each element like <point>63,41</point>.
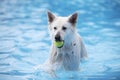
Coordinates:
<point>59,44</point>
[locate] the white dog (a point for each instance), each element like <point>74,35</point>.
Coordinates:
<point>67,56</point>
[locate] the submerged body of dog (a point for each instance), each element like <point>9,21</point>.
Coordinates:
<point>68,55</point>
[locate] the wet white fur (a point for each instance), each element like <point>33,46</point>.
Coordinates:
<point>68,57</point>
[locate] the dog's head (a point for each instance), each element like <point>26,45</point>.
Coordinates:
<point>61,28</point>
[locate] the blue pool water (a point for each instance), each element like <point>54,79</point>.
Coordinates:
<point>25,41</point>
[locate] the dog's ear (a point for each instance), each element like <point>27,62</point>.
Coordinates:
<point>51,16</point>
<point>73,18</point>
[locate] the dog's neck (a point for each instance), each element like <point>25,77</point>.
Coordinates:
<point>59,53</point>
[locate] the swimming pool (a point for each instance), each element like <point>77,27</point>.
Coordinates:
<point>25,41</point>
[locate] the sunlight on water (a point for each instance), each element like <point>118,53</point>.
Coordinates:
<point>25,41</point>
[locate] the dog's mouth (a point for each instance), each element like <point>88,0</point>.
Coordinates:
<point>59,44</point>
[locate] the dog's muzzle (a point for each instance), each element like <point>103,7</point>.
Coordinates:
<point>58,37</point>
<point>58,41</point>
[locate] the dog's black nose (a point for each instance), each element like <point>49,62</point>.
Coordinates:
<point>57,38</point>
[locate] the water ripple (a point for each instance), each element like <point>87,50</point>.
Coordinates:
<point>25,41</point>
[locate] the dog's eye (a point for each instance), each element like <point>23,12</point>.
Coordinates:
<point>55,28</point>
<point>64,28</point>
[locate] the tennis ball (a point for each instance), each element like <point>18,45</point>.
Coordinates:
<point>59,44</point>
